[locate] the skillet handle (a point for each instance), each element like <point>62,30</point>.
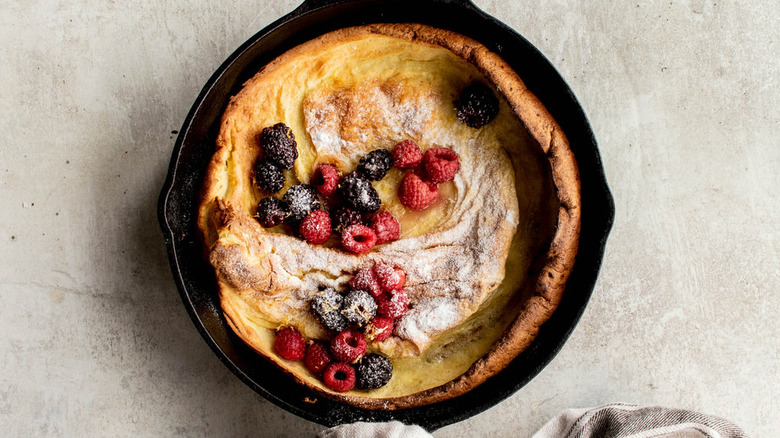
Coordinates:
<point>309,5</point>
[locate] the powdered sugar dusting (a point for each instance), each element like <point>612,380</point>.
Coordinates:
<point>431,316</point>
<point>348,122</point>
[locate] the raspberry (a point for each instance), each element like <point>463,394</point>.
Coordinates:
<point>278,144</point>
<point>348,346</point>
<point>271,212</point>
<point>356,190</point>
<point>374,371</point>
<point>376,164</point>
<point>327,306</point>
<point>358,239</point>
<point>385,226</point>
<point>289,344</point>
<point>325,179</point>
<point>359,308</point>
<point>339,377</point>
<point>392,304</point>
<point>407,155</point>
<point>441,164</point>
<point>477,105</point>
<point>415,193</point>
<point>343,217</point>
<point>388,277</point>
<point>301,200</point>
<point>380,328</point>
<point>315,227</point>
<point>365,279</point>
<point>317,357</point>
<point>268,176</point>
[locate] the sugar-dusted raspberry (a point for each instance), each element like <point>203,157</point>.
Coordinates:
<point>415,193</point>
<point>289,344</point>
<point>343,216</point>
<point>477,105</point>
<point>385,226</point>
<point>358,239</point>
<point>348,346</point>
<point>373,371</point>
<point>379,329</point>
<point>317,357</point>
<point>357,192</point>
<point>315,227</point>
<point>339,377</point>
<point>389,277</point>
<point>272,212</point>
<point>325,179</point>
<point>365,279</point>
<point>392,304</point>
<point>327,305</point>
<point>278,144</point>
<point>269,176</point>
<point>375,164</point>
<point>407,155</point>
<point>359,307</point>
<point>302,200</point>
<point>441,164</point>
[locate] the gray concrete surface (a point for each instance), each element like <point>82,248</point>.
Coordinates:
<point>683,96</point>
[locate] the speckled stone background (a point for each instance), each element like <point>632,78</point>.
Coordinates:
<point>683,96</point>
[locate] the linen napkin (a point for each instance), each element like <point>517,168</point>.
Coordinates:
<point>609,421</point>
<point>631,421</point>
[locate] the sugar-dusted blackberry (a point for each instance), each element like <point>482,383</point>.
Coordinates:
<point>302,200</point>
<point>356,190</point>
<point>477,105</point>
<point>278,144</point>
<point>343,216</point>
<point>359,307</point>
<point>373,371</point>
<point>271,212</point>
<point>375,164</point>
<point>269,176</point>
<point>327,305</point>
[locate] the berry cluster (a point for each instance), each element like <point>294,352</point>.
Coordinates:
<point>365,314</point>
<point>279,152</point>
<point>419,187</point>
<point>354,215</point>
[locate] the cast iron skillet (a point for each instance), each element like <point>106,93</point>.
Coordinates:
<point>195,145</point>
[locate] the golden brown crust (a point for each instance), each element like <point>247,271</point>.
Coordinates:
<point>559,258</point>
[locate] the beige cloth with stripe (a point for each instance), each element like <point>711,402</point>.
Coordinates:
<point>608,421</point>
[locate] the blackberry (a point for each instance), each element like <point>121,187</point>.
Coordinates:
<point>327,306</point>
<point>278,144</point>
<point>302,200</point>
<point>477,105</point>
<point>271,212</point>
<point>356,190</point>
<point>343,217</point>
<point>269,176</point>
<point>359,308</point>
<point>373,371</point>
<point>376,164</point>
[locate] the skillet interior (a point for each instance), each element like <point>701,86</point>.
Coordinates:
<point>178,201</point>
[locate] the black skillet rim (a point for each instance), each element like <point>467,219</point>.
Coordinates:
<point>179,197</point>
